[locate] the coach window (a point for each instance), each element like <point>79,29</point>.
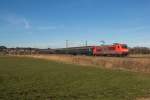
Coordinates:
<point>111,48</point>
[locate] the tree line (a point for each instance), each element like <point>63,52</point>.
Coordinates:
<point>139,50</point>
<point>2,48</point>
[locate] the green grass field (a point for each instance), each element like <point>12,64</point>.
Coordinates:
<point>35,79</point>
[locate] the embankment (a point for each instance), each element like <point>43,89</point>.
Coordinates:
<point>122,63</point>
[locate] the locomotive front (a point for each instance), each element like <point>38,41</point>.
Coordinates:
<point>122,49</point>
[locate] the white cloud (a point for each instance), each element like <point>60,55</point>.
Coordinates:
<point>26,23</point>
<point>16,21</point>
<point>50,27</point>
<point>47,28</point>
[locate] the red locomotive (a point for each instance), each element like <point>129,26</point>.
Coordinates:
<point>103,50</point>
<point>111,50</point>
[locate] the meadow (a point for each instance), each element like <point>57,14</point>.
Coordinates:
<point>23,78</point>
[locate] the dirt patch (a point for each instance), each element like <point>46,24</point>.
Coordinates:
<point>124,63</point>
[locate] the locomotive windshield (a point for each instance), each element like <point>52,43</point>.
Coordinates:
<point>124,46</point>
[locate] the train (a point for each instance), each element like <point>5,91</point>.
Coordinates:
<point>116,49</point>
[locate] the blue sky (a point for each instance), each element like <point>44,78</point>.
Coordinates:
<point>48,23</point>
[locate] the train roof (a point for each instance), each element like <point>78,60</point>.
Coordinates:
<point>82,47</point>
<point>87,47</point>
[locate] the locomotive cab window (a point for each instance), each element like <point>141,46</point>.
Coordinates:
<point>124,46</point>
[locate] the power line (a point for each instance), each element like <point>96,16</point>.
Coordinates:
<point>86,43</point>
<point>66,43</point>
